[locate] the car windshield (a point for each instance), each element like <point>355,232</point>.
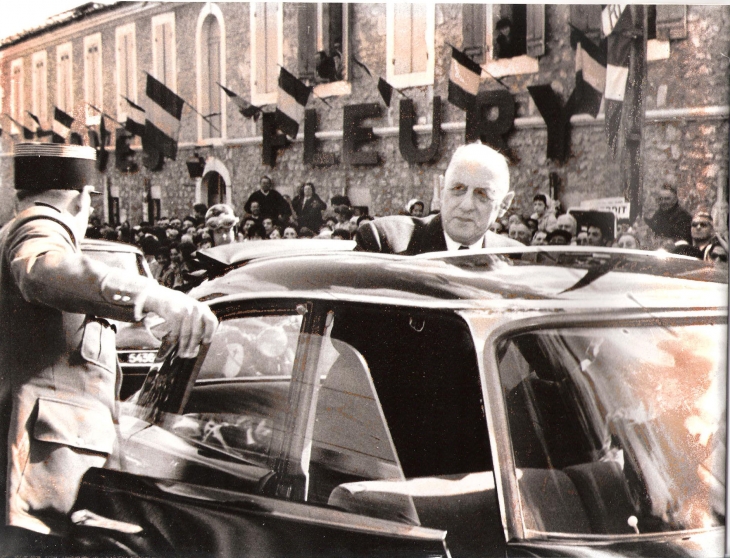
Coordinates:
<point>618,430</point>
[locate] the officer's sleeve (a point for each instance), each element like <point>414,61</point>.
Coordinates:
<point>49,270</point>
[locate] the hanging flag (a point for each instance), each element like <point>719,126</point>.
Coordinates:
<point>61,125</point>
<point>618,28</point>
<point>293,97</point>
<point>244,107</point>
<point>135,118</point>
<point>463,80</point>
<point>162,119</point>
<point>99,140</point>
<point>386,90</point>
<point>590,74</point>
<point>35,119</point>
<point>28,134</point>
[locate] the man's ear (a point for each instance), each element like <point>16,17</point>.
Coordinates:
<point>506,202</point>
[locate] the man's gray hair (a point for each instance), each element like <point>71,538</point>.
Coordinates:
<point>483,155</point>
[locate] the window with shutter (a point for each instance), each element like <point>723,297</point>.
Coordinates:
<point>515,37</point>
<point>16,93</point>
<point>473,31</point>
<point>164,59</point>
<point>307,40</point>
<point>92,78</point>
<point>126,68</point>
<point>40,86</point>
<point>64,78</point>
<point>671,21</point>
<point>535,38</point>
<point>210,50</point>
<point>266,39</point>
<point>410,44</point>
<point>587,19</point>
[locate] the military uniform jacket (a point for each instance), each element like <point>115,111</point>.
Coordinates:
<point>58,369</point>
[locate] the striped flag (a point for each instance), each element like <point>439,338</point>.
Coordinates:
<point>293,97</point>
<point>135,118</point>
<point>618,28</point>
<point>463,80</point>
<point>590,74</point>
<point>386,90</point>
<point>61,125</point>
<point>162,119</point>
<point>244,107</point>
<point>39,131</point>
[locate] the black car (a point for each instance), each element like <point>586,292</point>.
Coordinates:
<point>136,345</point>
<point>537,402</point>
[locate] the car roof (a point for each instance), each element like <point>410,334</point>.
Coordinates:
<point>94,244</point>
<point>220,258</point>
<point>541,276</point>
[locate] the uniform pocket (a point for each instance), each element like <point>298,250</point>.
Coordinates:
<point>98,344</point>
<point>71,424</point>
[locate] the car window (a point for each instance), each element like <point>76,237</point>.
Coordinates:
<point>618,430</point>
<point>290,415</point>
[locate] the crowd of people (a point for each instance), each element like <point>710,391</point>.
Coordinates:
<point>170,244</point>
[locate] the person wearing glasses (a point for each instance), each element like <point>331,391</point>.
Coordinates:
<point>670,220</point>
<point>703,232</point>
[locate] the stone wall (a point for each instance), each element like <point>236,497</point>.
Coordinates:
<point>689,152</point>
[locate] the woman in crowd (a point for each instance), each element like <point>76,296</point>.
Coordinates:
<point>220,220</point>
<point>309,207</point>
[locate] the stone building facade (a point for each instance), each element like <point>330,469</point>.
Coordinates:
<point>104,50</point>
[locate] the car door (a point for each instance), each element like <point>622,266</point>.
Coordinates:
<point>252,449</point>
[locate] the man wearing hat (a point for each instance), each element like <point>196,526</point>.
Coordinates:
<point>58,368</point>
<point>474,193</point>
<point>670,220</point>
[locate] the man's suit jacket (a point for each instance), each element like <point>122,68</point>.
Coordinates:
<point>400,234</point>
<point>58,368</point>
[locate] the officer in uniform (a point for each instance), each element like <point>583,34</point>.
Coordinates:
<point>59,377</point>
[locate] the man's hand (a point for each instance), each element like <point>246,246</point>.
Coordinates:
<point>187,321</point>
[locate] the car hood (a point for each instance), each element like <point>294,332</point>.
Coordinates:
<point>683,544</point>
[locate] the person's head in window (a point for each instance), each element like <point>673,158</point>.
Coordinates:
<point>506,43</point>
<point>326,67</point>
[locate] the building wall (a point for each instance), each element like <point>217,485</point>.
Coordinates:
<point>691,152</point>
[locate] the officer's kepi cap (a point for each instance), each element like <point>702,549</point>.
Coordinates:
<point>54,166</point>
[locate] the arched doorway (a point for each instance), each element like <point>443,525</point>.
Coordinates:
<point>215,185</point>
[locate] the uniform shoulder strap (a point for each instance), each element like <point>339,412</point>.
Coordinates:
<point>44,212</point>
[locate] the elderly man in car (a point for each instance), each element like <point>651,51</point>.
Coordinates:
<point>474,193</point>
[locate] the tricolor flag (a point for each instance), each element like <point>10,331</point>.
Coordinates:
<point>162,119</point>
<point>463,80</point>
<point>61,125</point>
<point>590,74</point>
<point>293,97</point>
<point>135,118</point>
<point>244,107</point>
<point>618,28</point>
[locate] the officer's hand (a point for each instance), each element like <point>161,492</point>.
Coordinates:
<point>187,321</point>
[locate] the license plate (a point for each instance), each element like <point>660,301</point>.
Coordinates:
<point>147,357</point>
